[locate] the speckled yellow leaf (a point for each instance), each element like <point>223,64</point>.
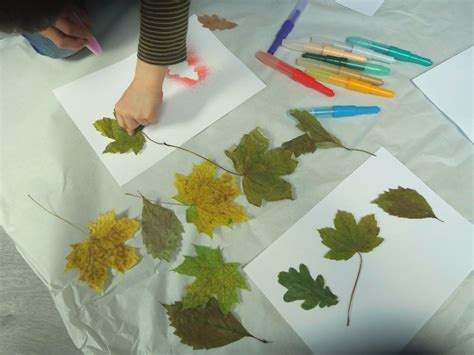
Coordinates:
<point>104,249</point>
<point>210,198</point>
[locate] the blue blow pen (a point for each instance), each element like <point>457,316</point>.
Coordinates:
<point>342,111</point>
<point>288,25</point>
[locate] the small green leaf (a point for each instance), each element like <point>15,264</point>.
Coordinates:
<point>123,142</point>
<point>406,203</point>
<point>301,286</point>
<point>300,145</point>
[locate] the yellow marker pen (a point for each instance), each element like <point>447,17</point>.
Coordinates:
<point>348,83</point>
<point>336,69</point>
<point>322,49</point>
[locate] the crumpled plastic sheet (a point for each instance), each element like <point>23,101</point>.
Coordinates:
<point>45,155</point>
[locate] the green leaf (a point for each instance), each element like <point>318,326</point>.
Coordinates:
<point>122,143</point>
<point>205,328</point>
<point>262,168</point>
<point>300,145</point>
<point>404,202</point>
<point>301,286</point>
<point>349,237</point>
<point>214,279</point>
<point>161,230</point>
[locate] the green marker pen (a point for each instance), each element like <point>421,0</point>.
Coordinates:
<point>367,68</point>
<point>395,52</point>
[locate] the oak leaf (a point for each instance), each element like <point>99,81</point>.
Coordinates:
<point>210,198</point>
<point>214,279</point>
<point>123,142</point>
<point>215,22</point>
<point>262,168</point>
<point>104,249</point>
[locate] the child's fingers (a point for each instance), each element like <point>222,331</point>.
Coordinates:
<point>61,40</point>
<point>84,16</point>
<point>73,29</point>
<point>131,124</point>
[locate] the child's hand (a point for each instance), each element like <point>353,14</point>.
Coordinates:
<point>141,102</point>
<point>68,32</point>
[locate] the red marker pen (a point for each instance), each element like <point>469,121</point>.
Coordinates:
<point>293,73</point>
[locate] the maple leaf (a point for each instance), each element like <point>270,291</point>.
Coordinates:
<point>103,249</point>
<point>215,22</point>
<point>207,327</point>
<point>300,145</point>
<point>321,137</point>
<point>161,230</point>
<point>301,286</point>
<point>214,278</point>
<point>210,198</point>
<point>406,203</point>
<point>261,169</point>
<point>348,238</point>
<point>123,142</point>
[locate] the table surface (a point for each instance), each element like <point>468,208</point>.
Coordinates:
<point>44,154</point>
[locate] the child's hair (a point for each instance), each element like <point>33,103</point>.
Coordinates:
<point>29,15</point>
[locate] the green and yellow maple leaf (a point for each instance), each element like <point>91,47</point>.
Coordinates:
<point>214,279</point>
<point>123,142</point>
<point>210,198</point>
<point>104,249</point>
<point>262,168</point>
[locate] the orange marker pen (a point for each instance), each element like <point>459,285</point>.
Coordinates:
<point>348,83</point>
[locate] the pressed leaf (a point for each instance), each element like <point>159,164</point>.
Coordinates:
<point>302,286</point>
<point>300,145</point>
<point>262,169</point>
<point>104,249</point>
<point>161,230</point>
<point>214,279</point>
<point>210,198</point>
<point>404,202</point>
<point>215,22</point>
<point>205,327</point>
<point>123,142</point>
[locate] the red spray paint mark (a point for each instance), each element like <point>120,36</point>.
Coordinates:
<point>199,68</point>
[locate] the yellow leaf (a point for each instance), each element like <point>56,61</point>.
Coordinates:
<point>105,248</point>
<point>210,198</point>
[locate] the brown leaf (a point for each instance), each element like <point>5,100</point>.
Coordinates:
<point>215,22</point>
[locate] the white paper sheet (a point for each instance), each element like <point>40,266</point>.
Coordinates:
<point>188,109</point>
<point>450,87</point>
<point>403,281</point>
<point>366,7</point>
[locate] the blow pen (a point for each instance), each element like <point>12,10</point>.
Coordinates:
<point>288,25</point>
<point>293,73</point>
<point>311,63</point>
<point>93,45</point>
<point>395,52</point>
<point>342,111</point>
<point>369,53</point>
<point>349,83</point>
<point>367,68</point>
<point>322,49</point>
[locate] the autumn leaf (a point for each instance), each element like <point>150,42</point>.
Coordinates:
<point>161,230</point>
<point>321,137</point>
<point>215,22</point>
<point>122,143</point>
<point>301,286</point>
<point>214,278</point>
<point>349,238</point>
<point>104,249</point>
<point>406,203</point>
<point>210,198</point>
<point>300,145</point>
<point>262,168</point>
<point>207,327</point>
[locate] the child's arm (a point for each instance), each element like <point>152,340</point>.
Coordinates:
<point>164,25</point>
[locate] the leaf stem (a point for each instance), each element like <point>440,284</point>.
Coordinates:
<point>353,291</point>
<point>159,202</point>
<point>191,152</point>
<point>261,340</point>
<point>358,150</point>
<point>56,215</point>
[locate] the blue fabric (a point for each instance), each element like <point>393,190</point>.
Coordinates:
<point>45,47</point>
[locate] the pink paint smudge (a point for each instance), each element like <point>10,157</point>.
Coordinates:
<point>199,68</point>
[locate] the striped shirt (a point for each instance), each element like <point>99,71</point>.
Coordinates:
<point>163,29</point>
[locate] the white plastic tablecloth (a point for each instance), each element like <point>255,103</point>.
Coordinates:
<point>44,154</point>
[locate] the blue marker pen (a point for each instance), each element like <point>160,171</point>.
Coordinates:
<point>342,111</point>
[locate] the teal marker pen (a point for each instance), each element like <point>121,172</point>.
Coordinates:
<point>367,68</point>
<point>395,52</point>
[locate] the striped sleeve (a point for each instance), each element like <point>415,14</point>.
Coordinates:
<point>163,29</point>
